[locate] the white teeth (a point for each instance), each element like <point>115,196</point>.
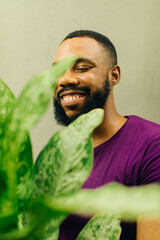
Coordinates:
<point>68,98</point>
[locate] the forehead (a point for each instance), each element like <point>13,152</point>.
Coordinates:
<point>82,46</point>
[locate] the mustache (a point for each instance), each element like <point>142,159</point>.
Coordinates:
<point>83,89</point>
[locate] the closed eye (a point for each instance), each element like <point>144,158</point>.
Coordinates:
<point>83,69</point>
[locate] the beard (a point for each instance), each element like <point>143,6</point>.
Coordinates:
<point>98,100</point>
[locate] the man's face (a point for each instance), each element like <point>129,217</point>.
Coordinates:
<point>85,86</point>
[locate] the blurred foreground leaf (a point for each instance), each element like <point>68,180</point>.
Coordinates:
<point>7,217</point>
<point>101,227</point>
<point>16,165</point>
<point>128,202</point>
<point>66,161</point>
<point>7,100</point>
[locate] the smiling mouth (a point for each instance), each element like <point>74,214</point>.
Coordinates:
<point>71,98</point>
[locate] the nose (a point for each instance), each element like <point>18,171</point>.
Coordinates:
<point>68,80</point>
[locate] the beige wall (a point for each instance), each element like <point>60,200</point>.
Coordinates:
<point>30,31</point>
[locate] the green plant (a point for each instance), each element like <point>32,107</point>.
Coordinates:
<point>35,199</point>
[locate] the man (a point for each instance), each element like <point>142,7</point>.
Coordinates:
<point>126,149</point>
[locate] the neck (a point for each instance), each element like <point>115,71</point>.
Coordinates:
<point>112,122</point>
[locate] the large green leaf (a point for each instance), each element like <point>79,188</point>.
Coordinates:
<point>66,161</point>
<point>21,170</point>
<point>7,101</point>
<point>23,185</point>
<point>25,113</point>
<point>101,227</point>
<point>24,165</point>
<point>28,232</point>
<point>128,202</point>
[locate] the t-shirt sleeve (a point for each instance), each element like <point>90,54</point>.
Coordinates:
<point>150,164</point>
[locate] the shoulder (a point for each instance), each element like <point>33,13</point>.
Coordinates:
<point>147,129</point>
<point>148,139</point>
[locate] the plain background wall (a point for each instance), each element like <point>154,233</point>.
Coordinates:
<point>31,30</point>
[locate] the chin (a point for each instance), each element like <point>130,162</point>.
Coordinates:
<point>73,110</point>
<point>72,114</point>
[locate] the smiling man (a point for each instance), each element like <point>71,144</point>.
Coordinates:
<point>126,149</point>
<point>90,82</point>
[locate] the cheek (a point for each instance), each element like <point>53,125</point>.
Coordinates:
<point>98,80</point>
<point>89,79</point>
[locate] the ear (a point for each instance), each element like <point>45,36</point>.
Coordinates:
<point>114,75</point>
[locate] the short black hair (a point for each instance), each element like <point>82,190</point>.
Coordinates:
<point>100,38</point>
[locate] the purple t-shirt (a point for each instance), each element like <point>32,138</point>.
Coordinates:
<point>130,157</point>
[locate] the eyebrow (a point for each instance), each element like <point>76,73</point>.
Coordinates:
<point>80,60</point>
<point>86,60</point>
